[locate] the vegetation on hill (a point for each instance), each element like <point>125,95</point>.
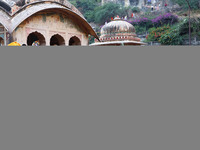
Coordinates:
<point>166,28</point>
<point>194,4</point>
<point>104,13</point>
<point>93,11</point>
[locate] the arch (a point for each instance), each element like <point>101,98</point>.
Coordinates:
<point>5,20</point>
<point>3,35</point>
<point>65,3</point>
<point>27,11</point>
<point>74,41</point>
<point>36,36</point>
<point>1,41</point>
<point>57,40</point>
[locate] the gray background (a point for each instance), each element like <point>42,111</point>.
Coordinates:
<point>107,98</point>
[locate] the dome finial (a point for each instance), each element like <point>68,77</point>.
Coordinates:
<point>117,18</point>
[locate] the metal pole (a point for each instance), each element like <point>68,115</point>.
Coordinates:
<point>189,23</point>
<point>189,29</point>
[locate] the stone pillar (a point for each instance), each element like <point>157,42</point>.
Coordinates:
<point>47,38</point>
<point>5,38</point>
<point>127,3</point>
<point>9,38</point>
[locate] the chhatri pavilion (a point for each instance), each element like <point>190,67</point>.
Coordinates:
<point>118,32</point>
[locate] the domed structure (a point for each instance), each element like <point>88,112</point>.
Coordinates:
<point>50,22</point>
<point>118,32</point>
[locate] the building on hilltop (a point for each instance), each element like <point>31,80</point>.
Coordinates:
<point>50,22</point>
<point>123,2</point>
<point>138,3</point>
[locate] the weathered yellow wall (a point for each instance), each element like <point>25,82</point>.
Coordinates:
<point>49,24</point>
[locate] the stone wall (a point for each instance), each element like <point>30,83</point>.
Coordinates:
<point>194,41</point>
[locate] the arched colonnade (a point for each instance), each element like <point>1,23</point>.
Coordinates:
<point>55,40</point>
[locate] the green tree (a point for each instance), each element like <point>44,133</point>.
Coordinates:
<point>86,7</point>
<point>195,4</point>
<point>108,10</point>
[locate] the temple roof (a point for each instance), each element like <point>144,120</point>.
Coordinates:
<point>117,26</point>
<point>13,12</point>
<point>5,5</point>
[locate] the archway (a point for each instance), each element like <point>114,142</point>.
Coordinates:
<point>57,40</point>
<point>35,36</point>
<point>3,36</point>
<point>74,41</point>
<point>1,41</point>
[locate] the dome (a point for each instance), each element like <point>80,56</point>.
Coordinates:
<point>117,26</point>
<point>118,30</point>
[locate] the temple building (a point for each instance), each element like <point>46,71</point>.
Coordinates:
<point>49,22</point>
<point>118,33</point>
<point>138,3</point>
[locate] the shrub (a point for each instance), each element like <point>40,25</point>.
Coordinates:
<point>140,29</point>
<point>167,18</point>
<point>142,22</point>
<point>161,20</point>
<point>198,34</point>
<point>179,32</point>
<point>193,3</point>
<point>135,10</point>
<point>156,33</point>
<point>171,37</point>
<point>184,26</point>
